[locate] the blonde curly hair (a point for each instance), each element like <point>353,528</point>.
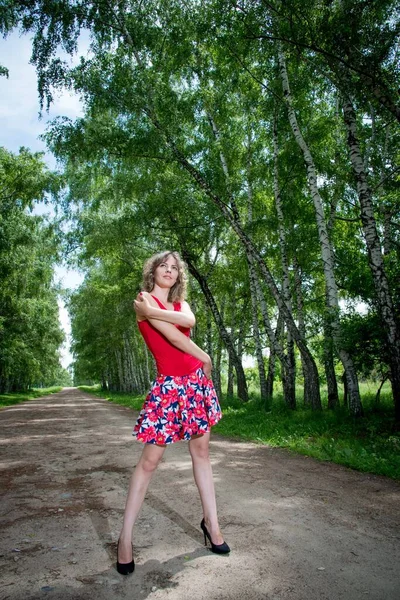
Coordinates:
<point>178,291</point>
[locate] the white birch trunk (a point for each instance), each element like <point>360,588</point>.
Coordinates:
<point>291,370</point>
<point>300,312</point>
<point>376,262</point>
<point>289,391</point>
<point>326,250</point>
<point>388,212</point>
<point>254,306</point>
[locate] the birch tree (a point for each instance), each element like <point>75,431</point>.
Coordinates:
<point>376,262</point>
<point>326,249</point>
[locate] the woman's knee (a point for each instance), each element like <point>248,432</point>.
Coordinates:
<point>199,449</point>
<point>150,460</point>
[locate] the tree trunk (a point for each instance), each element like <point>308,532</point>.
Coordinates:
<point>270,375</point>
<point>345,391</point>
<point>289,372</point>
<point>375,257</point>
<point>265,399</point>
<point>333,393</point>
<point>217,372</point>
<point>377,400</point>
<point>288,385</point>
<point>326,250</point>
<point>218,356</point>
<point>210,349</point>
<point>329,355</point>
<point>388,212</point>
<point>300,315</point>
<point>120,369</point>
<point>229,383</point>
<point>289,396</point>
<point>228,341</point>
<point>241,332</point>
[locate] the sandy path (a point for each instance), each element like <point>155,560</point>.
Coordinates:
<point>298,529</point>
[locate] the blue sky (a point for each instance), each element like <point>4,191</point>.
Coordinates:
<point>20,126</point>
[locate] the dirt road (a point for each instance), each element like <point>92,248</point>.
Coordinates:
<point>298,529</point>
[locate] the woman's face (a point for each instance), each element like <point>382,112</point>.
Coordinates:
<point>166,273</point>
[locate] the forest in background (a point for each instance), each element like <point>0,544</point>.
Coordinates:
<point>261,141</point>
<point>30,332</point>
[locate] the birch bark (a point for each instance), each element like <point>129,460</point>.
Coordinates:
<point>326,250</point>
<point>265,399</point>
<point>289,390</point>
<point>232,321</point>
<point>375,257</point>
<point>210,351</point>
<point>218,354</point>
<point>290,371</point>
<point>271,374</point>
<point>300,315</point>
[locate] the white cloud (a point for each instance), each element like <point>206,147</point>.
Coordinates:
<point>68,278</point>
<point>19,102</point>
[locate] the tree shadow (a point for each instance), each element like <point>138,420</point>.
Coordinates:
<point>147,578</point>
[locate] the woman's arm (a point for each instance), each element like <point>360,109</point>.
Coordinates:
<point>182,342</point>
<point>146,308</point>
<point>176,337</point>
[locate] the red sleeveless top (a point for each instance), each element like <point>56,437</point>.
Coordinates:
<point>169,359</point>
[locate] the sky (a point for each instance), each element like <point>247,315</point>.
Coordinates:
<point>20,125</point>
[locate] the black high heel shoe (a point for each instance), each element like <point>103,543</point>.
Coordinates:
<point>125,568</point>
<point>216,548</point>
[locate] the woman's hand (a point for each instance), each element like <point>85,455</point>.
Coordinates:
<point>142,306</point>
<point>207,367</point>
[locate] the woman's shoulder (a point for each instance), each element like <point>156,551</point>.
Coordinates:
<point>152,300</point>
<point>182,306</point>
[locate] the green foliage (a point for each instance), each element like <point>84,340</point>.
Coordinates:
<point>59,376</point>
<point>107,343</point>
<point>30,333</point>
<point>180,103</point>
<point>365,341</point>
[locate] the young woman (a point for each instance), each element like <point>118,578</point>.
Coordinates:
<point>182,403</point>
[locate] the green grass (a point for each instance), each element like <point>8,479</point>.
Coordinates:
<point>121,398</point>
<point>17,397</point>
<point>369,444</point>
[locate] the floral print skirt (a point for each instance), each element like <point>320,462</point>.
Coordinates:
<point>176,408</point>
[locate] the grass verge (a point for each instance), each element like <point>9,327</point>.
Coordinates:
<point>370,444</point>
<point>17,397</point>
<point>121,398</point>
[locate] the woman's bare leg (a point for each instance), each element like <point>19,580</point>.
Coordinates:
<point>148,463</point>
<point>202,471</point>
